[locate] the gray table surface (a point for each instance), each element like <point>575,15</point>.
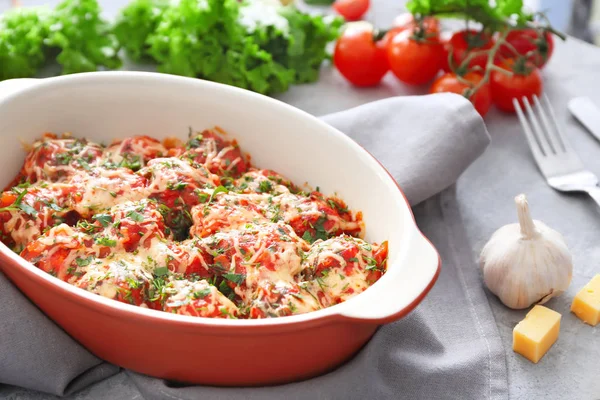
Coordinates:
<point>485,192</point>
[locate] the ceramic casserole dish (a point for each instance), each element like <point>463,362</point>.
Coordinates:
<point>107,105</point>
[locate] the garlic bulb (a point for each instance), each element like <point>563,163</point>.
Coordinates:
<point>526,263</point>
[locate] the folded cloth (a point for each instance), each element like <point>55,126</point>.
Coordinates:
<point>447,348</point>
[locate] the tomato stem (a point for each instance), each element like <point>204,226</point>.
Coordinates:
<point>464,65</point>
<point>464,82</point>
<point>501,70</point>
<point>512,48</point>
<point>489,67</point>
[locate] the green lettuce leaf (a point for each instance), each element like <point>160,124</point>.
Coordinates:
<point>492,16</point>
<point>22,33</point>
<point>308,40</point>
<point>135,23</point>
<point>242,43</point>
<point>83,39</point>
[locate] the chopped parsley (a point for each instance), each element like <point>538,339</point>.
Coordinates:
<point>52,205</point>
<point>85,226</point>
<point>194,142</point>
<point>27,209</point>
<point>202,293</point>
<point>284,235</point>
<point>104,241</point>
<point>18,204</point>
<point>83,262</point>
<point>161,271</point>
<point>293,307</point>
<point>238,279</point>
<point>84,164</point>
<point>203,197</point>
<point>132,283</point>
<point>156,289</point>
<point>137,217</point>
<point>226,290</point>
<point>104,219</point>
<point>216,191</point>
<point>307,237</point>
<point>371,263</point>
<point>131,161</point>
<point>336,206</point>
<point>321,283</point>
<point>64,158</point>
<point>320,232</point>
<point>265,186</point>
<point>179,186</point>
<point>226,313</point>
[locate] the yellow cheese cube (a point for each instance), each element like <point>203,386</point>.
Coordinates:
<point>533,336</point>
<point>586,305</point>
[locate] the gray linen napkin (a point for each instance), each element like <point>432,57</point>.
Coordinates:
<point>447,348</point>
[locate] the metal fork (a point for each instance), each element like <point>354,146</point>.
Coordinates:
<point>553,154</point>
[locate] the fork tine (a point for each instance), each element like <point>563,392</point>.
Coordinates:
<point>550,132</point>
<point>557,131</point>
<point>537,130</point>
<point>533,144</point>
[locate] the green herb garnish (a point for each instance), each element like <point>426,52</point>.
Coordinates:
<point>238,279</point>
<point>104,241</point>
<point>137,217</point>
<point>202,293</point>
<point>104,219</point>
<point>83,262</point>
<point>265,186</point>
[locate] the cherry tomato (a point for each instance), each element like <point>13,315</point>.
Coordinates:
<point>387,38</point>
<point>407,20</point>
<point>359,58</point>
<point>526,81</point>
<point>415,61</point>
<point>351,10</point>
<point>482,99</point>
<point>7,198</point>
<point>529,40</point>
<point>464,42</point>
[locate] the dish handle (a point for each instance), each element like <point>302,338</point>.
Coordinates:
<point>384,305</point>
<point>11,86</point>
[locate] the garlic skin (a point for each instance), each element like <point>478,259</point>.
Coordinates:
<point>526,263</point>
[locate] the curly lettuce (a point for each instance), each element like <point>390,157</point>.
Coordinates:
<point>308,38</point>
<point>84,40</point>
<point>252,45</point>
<point>492,15</point>
<point>258,45</point>
<point>22,33</point>
<point>134,25</point>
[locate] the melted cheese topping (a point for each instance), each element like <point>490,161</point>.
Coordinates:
<point>249,247</point>
<point>343,277</point>
<point>230,211</point>
<point>164,172</point>
<point>105,188</point>
<point>140,147</point>
<point>56,159</point>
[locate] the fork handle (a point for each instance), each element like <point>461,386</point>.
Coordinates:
<point>594,192</point>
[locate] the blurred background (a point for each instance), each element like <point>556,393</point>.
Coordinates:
<point>579,18</point>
